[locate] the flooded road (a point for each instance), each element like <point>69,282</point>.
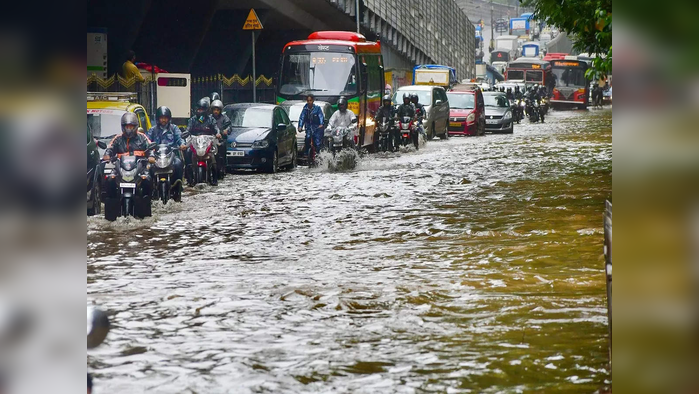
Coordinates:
<point>473,265</point>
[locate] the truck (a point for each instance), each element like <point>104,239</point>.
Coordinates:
<point>520,27</point>
<point>434,74</point>
<point>509,44</point>
<point>97,52</point>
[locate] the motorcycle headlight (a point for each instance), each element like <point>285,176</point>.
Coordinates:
<point>128,175</point>
<point>522,104</point>
<point>471,117</point>
<point>262,144</point>
<point>508,115</point>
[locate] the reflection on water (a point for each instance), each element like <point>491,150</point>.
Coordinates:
<point>471,264</point>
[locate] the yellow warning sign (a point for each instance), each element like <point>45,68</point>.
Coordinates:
<point>253,22</point>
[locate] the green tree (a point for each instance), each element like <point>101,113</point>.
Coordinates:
<point>587,22</point>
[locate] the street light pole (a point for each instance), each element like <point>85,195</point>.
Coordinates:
<point>356,11</point>
<point>492,35</point>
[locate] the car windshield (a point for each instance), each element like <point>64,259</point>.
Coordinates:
<point>295,112</point>
<point>496,100</point>
<point>573,77</point>
<point>104,125</point>
<point>461,100</point>
<point>330,74</point>
<point>424,97</point>
<point>250,117</point>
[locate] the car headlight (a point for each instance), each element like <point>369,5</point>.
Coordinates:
<point>508,115</point>
<point>471,117</point>
<point>262,144</point>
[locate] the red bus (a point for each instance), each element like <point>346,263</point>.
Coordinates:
<point>331,64</point>
<point>571,88</point>
<point>530,70</point>
<point>555,56</point>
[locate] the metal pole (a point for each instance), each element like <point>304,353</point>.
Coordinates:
<point>492,35</point>
<point>356,11</point>
<point>254,77</point>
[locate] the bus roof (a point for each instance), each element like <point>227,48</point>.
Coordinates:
<point>529,60</point>
<point>345,38</point>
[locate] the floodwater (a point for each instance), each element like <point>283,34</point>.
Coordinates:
<point>472,265</point>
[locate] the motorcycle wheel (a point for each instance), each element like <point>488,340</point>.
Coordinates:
<point>177,192</point>
<point>127,206</point>
<point>201,175</point>
<point>165,191</point>
<point>96,198</point>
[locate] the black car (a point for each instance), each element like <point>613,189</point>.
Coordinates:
<point>261,138</point>
<point>498,113</point>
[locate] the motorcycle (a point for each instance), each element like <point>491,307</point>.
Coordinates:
<point>518,107</point>
<point>532,110</point>
<point>163,173</point>
<point>408,132</point>
<point>128,187</point>
<point>204,149</point>
<point>340,138</point>
<point>384,140</point>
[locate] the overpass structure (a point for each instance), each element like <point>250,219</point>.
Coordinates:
<point>206,37</point>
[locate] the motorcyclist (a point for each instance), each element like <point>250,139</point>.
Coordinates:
<point>131,141</point>
<point>224,126</point>
<point>535,97</point>
<point>388,113</point>
<point>312,120</point>
<point>518,93</point>
<point>342,117</point>
<point>510,95</point>
<point>164,132</point>
<point>202,123</point>
<point>419,111</point>
<point>405,109</point>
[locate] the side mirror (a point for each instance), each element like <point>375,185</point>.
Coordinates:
<point>101,144</point>
<point>185,134</point>
<point>281,127</point>
<point>140,130</point>
<point>438,102</point>
<point>354,120</point>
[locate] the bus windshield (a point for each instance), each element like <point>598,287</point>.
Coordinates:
<point>534,76</point>
<point>515,74</point>
<point>321,73</point>
<point>567,76</point>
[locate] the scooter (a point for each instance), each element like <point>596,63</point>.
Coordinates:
<point>204,149</point>
<point>128,185</point>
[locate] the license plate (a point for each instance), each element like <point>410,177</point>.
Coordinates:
<point>492,121</point>
<point>455,124</point>
<point>127,185</point>
<point>236,153</point>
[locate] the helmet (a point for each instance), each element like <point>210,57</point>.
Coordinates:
<point>217,104</point>
<point>203,104</point>
<point>129,119</point>
<point>215,96</point>
<point>385,98</point>
<point>509,90</point>
<point>406,96</point>
<point>163,111</point>
<point>413,98</point>
<point>342,103</point>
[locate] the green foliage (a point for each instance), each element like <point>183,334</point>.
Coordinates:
<point>587,22</point>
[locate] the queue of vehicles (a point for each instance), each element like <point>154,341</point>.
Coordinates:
<point>265,137</point>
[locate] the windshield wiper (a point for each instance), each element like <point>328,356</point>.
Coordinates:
<point>315,90</point>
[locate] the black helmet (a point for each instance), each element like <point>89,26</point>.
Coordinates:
<point>163,111</point>
<point>509,90</point>
<point>414,98</point>
<point>215,96</point>
<point>129,118</point>
<point>385,98</point>
<point>342,101</point>
<point>406,96</point>
<point>217,104</point>
<point>203,104</point>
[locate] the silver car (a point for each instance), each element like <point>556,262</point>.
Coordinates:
<point>294,107</point>
<point>498,113</point>
<point>434,98</point>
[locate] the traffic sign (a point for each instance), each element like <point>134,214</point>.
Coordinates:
<point>253,22</point>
